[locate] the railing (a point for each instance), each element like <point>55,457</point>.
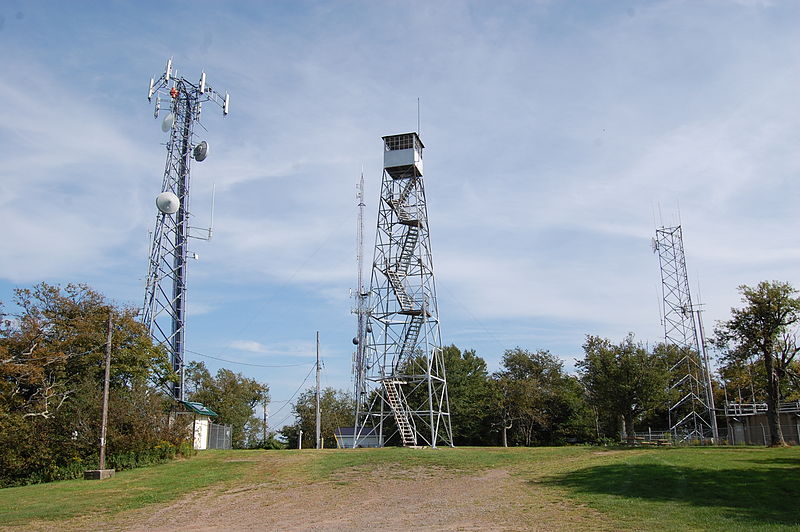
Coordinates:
<point>751,409</point>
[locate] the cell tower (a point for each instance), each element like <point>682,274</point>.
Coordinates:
<point>403,392</point>
<point>691,408</point>
<point>164,309</point>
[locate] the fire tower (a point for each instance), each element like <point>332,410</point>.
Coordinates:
<point>402,392</point>
<point>691,407</point>
<point>164,309</point>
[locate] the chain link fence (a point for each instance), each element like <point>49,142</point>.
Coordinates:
<point>219,436</point>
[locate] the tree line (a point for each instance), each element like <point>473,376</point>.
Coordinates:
<point>617,387</point>
<point>51,377</point>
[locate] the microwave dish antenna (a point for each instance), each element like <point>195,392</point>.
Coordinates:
<point>201,151</point>
<point>168,202</point>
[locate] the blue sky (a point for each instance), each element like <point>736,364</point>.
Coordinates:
<point>558,135</point>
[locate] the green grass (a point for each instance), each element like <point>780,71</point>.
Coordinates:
<point>640,489</point>
<point>462,459</point>
<point>692,488</point>
<point>126,490</point>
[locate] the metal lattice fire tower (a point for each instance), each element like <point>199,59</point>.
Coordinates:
<point>164,309</point>
<point>403,394</point>
<point>691,409</point>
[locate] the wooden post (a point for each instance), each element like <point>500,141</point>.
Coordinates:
<point>318,439</point>
<point>102,472</point>
<point>266,418</point>
<point>104,423</point>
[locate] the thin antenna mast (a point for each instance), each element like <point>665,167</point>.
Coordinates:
<point>361,303</point>
<point>213,201</point>
<point>419,130</point>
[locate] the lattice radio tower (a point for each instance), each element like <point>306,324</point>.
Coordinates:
<point>403,393</point>
<point>164,309</point>
<point>691,407</point>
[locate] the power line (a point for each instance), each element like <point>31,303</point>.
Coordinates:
<point>248,363</point>
<point>296,391</point>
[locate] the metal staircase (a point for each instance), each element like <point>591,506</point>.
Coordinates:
<point>411,335</point>
<point>407,303</point>
<point>407,251</point>
<point>397,273</point>
<point>398,202</point>
<point>397,403</point>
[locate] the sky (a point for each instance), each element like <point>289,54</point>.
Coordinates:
<point>558,136</point>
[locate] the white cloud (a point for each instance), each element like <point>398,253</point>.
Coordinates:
<point>249,345</point>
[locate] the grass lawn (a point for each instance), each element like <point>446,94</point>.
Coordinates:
<point>726,488</point>
<point>731,488</point>
<point>126,490</point>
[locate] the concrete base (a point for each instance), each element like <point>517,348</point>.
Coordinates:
<point>98,474</point>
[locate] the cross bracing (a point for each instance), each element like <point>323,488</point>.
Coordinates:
<point>403,393</point>
<point>691,404</point>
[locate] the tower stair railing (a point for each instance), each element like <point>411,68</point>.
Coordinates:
<point>396,400</point>
<point>398,203</point>
<point>410,338</point>
<point>407,303</point>
<point>407,251</point>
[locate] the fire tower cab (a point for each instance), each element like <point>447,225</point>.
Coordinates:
<point>402,156</point>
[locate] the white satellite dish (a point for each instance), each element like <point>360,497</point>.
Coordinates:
<point>168,203</point>
<point>168,122</point>
<point>201,151</point>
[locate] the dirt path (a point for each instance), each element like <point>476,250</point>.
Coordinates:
<point>385,498</point>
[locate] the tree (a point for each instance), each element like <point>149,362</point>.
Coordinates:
<point>470,395</point>
<point>51,376</point>
<point>538,401</point>
<point>624,381</point>
<point>336,410</point>
<point>765,328</point>
<point>231,395</point>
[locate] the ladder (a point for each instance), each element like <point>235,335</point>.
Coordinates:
<point>396,403</point>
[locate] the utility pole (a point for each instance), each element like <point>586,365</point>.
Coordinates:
<point>266,419</point>
<point>102,472</point>
<point>318,416</point>
<point>104,423</point>
<point>300,440</point>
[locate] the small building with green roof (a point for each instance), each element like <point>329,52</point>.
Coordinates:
<point>201,422</point>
